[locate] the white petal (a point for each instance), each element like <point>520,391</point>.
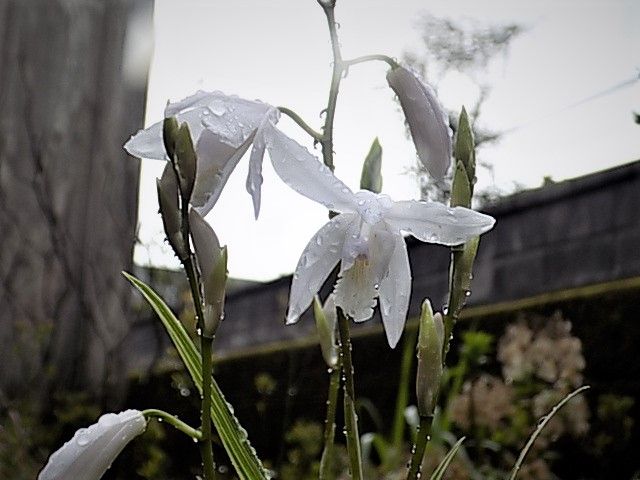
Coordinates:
<point>216,161</point>
<point>198,99</point>
<point>319,257</point>
<point>436,223</point>
<point>303,172</point>
<point>147,143</point>
<point>234,118</point>
<point>427,120</point>
<point>92,450</point>
<point>254,177</point>
<point>357,287</point>
<point>395,290</point>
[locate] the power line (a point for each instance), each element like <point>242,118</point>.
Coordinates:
<point>608,91</point>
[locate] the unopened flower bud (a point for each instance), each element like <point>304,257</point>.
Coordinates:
<point>212,261</point>
<point>371,178</point>
<point>170,129</point>
<point>464,148</point>
<point>91,451</point>
<point>186,161</point>
<point>427,120</point>
<point>326,318</point>
<point>429,374</point>
<point>460,188</point>
<point>167,186</point>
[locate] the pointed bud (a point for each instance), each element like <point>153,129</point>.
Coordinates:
<point>427,120</point>
<point>91,451</point>
<point>186,160</point>
<point>212,261</point>
<point>464,149</point>
<point>170,210</point>
<point>371,178</point>
<point>326,318</point>
<point>170,129</point>
<point>429,373</point>
<point>461,188</point>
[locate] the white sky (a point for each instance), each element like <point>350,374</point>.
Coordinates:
<point>278,51</point>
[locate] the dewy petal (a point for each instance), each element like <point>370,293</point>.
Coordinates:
<point>395,290</point>
<point>147,143</point>
<point>216,161</point>
<point>234,118</point>
<point>91,451</point>
<point>304,173</point>
<point>254,177</point>
<point>357,287</point>
<point>428,123</point>
<point>436,223</point>
<point>319,257</point>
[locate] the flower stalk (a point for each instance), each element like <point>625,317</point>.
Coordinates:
<point>422,439</point>
<point>184,154</point>
<point>330,423</point>
<point>174,422</point>
<point>350,416</point>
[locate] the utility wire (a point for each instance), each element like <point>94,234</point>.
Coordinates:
<point>608,91</point>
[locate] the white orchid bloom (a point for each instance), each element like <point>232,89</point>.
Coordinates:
<point>92,450</point>
<point>223,127</point>
<point>366,237</point>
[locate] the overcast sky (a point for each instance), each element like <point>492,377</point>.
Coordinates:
<point>278,51</point>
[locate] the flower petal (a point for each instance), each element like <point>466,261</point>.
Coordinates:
<point>357,287</point>
<point>254,177</point>
<point>436,223</point>
<point>304,173</point>
<point>319,257</point>
<point>234,118</point>
<point>92,450</point>
<point>395,290</point>
<point>147,143</point>
<point>428,123</point>
<point>216,161</point>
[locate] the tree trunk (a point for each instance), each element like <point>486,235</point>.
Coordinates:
<point>68,192</point>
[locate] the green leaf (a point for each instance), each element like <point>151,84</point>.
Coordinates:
<point>441,469</point>
<point>371,178</point>
<point>461,188</point>
<point>541,424</point>
<point>233,436</point>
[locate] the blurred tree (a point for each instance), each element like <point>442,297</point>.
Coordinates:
<point>468,49</point>
<point>70,93</point>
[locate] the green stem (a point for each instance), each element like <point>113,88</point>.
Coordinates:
<point>330,423</point>
<point>206,447</point>
<point>351,419</point>
<point>173,421</point>
<point>402,398</point>
<point>368,58</point>
<point>336,76</point>
<point>422,438</point>
<point>298,119</point>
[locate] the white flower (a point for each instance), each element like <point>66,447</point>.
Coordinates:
<point>92,450</point>
<point>366,238</point>
<point>427,120</point>
<point>223,127</point>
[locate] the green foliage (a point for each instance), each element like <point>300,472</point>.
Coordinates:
<point>233,436</point>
